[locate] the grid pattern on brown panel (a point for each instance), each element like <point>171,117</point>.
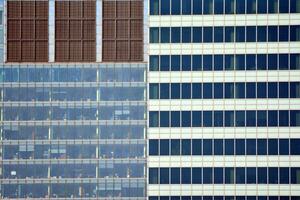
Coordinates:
<point>75,31</point>
<point>122,31</point>
<point>27,31</point>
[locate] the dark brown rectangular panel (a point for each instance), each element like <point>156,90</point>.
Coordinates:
<point>122,31</point>
<point>27,31</point>
<point>75,30</point>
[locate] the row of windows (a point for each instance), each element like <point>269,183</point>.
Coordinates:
<point>224,197</point>
<point>224,90</point>
<point>224,62</point>
<point>219,118</point>
<point>206,7</point>
<point>224,34</point>
<point>164,147</point>
<point>226,175</point>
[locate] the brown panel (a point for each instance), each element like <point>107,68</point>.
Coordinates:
<point>62,51</point>
<point>41,49</point>
<point>122,29</point>
<point>89,9</point>
<point>28,51</point>
<point>123,8</point>
<point>41,27</point>
<point>41,10</point>
<point>13,51</point>
<point>109,50</point>
<point>13,9</point>
<point>136,50</point>
<point>75,50</point>
<point>89,51</point>
<point>62,29</point>
<point>28,9</point>
<point>75,29</point>
<point>89,29</point>
<point>109,29</point>
<point>75,9</point>
<point>109,9</point>
<point>28,29</point>
<point>13,31</point>
<point>61,9</point>
<point>122,50</point>
<point>136,9</point>
<point>136,29</point>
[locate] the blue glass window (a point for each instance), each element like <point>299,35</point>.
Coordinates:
<point>251,6</point>
<point>197,7</point>
<point>240,62</point>
<point>153,176</point>
<point>250,90</point>
<point>207,34</point>
<point>283,33</point>
<point>207,90</point>
<point>272,62</point>
<point>153,119</point>
<point>261,118</point>
<point>164,147</point>
<point>218,119</point>
<point>218,34</point>
<point>219,7</point>
<point>284,146</point>
<point>153,147</point>
<point>273,175</point>
<point>208,7</point>
<point>165,35</point>
<point>284,175</point>
<point>197,34</point>
<point>164,63</point>
<point>283,61</point>
<point>197,175</point>
<point>218,90</point>
<point>284,118</point>
<point>261,147</point>
<point>197,118</point>
<point>197,62</point>
<point>186,34</point>
<point>218,175</point>
<point>250,61</point>
<point>154,7</point>
<point>175,35</point>
<point>218,147</point>
<point>261,90</point>
<point>229,90</point>
<point>186,175</point>
<point>154,63</point>
<point>207,175</point>
<point>176,7</point>
<point>262,6</point>
<point>186,63</point>
<point>229,175</point>
<point>240,90</point>
<point>229,34</point>
<point>229,118</point>
<point>185,147</point>
<point>283,90</point>
<point>154,35</point>
<point>295,175</point>
<point>175,175</point>
<point>164,176</point>
<point>295,61</point>
<point>261,31</point>
<point>164,91</point>
<point>251,33</point>
<point>207,147</point>
<point>175,91</point>
<point>229,147</point>
<point>272,147</point>
<point>273,6</point>
<point>272,118</point>
<point>295,33</point>
<point>196,147</point>
<point>164,119</point>
<point>164,7</point>
<point>272,90</point>
<point>262,175</point>
<point>240,6</point>
<point>272,33</point>
<point>186,7</point>
<point>251,118</point>
<point>240,175</point>
<point>218,62</point>
<point>295,144</point>
<point>295,6</point>
<point>283,6</point>
<point>197,90</point>
<point>175,147</point>
<point>251,175</point>
<point>251,146</point>
<point>175,119</point>
<point>186,118</point>
<point>186,91</point>
<point>207,62</point>
<point>229,6</point>
<point>240,147</point>
<point>175,63</point>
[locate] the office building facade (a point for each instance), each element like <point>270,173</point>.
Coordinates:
<point>158,99</point>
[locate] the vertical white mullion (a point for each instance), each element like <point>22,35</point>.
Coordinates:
<point>98,30</point>
<point>51,33</point>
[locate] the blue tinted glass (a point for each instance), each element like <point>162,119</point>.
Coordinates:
<point>218,90</point>
<point>175,63</point>
<point>283,33</point>
<point>272,118</point>
<point>175,175</point>
<point>251,146</point>
<point>186,35</point>
<point>251,6</point>
<point>164,119</point>
<point>186,63</point>
<point>153,175</point>
<point>186,118</point>
<point>219,7</point>
<point>153,147</point>
<point>185,175</point>
<point>250,90</point>
<point>261,118</point>
<point>229,90</point>
<point>229,34</point>
<point>153,198</point>
<point>197,34</point>
<point>153,119</point>
<point>207,175</point>
<point>283,90</point>
<point>229,147</point>
<point>207,34</point>
<point>164,7</point>
<point>272,147</point>
<point>240,90</point>
<point>207,90</point>
<point>218,175</point>
<point>164,91</point>
<point>175,7</point>
<point>218,147</point>
<point>207,62</point>
<point>294,6</point>
<point>197,63</point>
<point>175,91</point>
<point>154,35</point>
<point>154,7</point>
<point>197,147</point>
<point>164,147</point>
<point>165,35</point>
<point>283,61</point>
<point>186,7</point>
<point>294,90</point>
<point>218,34</point>
<point>273,175</point>
<point>197,118</point>
<point>208,7</point>
<point>295,144</point>
<point>175,147</point>
<point>197,7</point>
<point>272,6</point>
<point>175,119</point>
<point>251,118</point>
<point>295,61</point>
<point>284,146</point>
<point>229,6</point>
<point>250,61</point>
<point>229,118</point>
<point>262,175</point>
<point>164,176</point>
<point>164,63</point>
<point>251,34</point>
<point>240,147</point>
<point>272,90</point>
<point>175,35</point>
<point>154,63</point>
<point>261,147</point>
<point>197,90</point>
<point>197,175</point>
<point>272,61</point>
<point>283,6</point>
<point>186,91</point>
<point>185,147</point>
<point>218,62</point>
<point>240,6</point>
<point>240,175</point>
<point>261,90</point>
<point>251,175</point>
<point>284,175</point>
<point>295,33</point>
<point>229,177</point>
<point>272,33</point>
<point>218,118</point>
<point>295,175</point>
<point>262,6</point>
<point>240,62</point>
<point>261,32</point>
<point>207,147</point>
